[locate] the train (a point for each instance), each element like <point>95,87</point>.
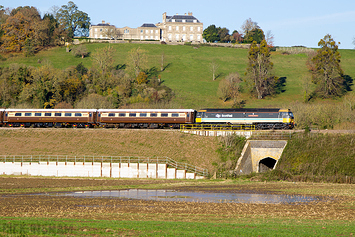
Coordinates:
<point>261,118</point>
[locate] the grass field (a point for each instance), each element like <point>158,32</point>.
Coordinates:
<point>36,215</point>
<point>188,70</point>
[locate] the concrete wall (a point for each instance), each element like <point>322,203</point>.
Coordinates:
<point>255,151</point>
<point>94,169</point>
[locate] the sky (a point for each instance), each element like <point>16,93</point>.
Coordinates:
<point>293,23</point>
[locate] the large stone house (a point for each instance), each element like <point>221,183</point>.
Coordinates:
<point>175,28</point>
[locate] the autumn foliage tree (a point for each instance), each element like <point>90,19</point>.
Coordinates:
<point>325,69</point>
<point>260,79</point>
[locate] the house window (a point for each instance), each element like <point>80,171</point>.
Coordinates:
<point>198,28</point>
<point>177,27</point>
<point>195,21</point>
<point>191,37</point>
<point>191,28</point>
<point>151,31</point>
<point>146,31</point>
<point>141,31</point>
<point>169,36</point>
<point>173,20</point>
<point>184,20</point>
<point>177,37</point>
<point>184,28</point>
<point>199,37</point>
<point>126,31</point>
<point>169,27</point>
<point>156,31</point>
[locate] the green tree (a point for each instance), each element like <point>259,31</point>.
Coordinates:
<point>210,34</point>
<point>259,76</point>
<point>254,35</point>
<point>75,21</point>
<point>326,71</point>
<point>224,36</point>
<point>103,59</point>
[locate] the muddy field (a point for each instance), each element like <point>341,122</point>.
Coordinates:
<point>338,204</point>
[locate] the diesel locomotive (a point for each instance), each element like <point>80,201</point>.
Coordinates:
<point>145,118</point>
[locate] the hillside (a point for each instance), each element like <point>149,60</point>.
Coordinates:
<point>188,74</point>
<point>188,71</point>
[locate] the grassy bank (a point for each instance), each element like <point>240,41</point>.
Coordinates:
<point>194,150</point>
<point>319,157</point>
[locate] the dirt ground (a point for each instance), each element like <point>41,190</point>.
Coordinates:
<point>338,204</point>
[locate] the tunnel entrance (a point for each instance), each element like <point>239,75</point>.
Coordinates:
<point>266,164</point>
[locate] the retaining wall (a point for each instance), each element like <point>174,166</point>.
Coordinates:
<point>94,169</point>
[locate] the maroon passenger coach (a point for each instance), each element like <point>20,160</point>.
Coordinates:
<point>145,118</point>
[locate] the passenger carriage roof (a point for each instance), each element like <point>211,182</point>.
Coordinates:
<point>148,110</point>
<point>51,110</point>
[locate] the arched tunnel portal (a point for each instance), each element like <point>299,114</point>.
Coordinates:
<point>266,164</point>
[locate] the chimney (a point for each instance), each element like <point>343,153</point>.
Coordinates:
<point>190,13</point>
<point>103,22</point>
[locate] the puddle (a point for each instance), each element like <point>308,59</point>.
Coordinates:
<point>171,195</point>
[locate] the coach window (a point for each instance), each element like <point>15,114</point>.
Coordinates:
<point>67,114</point>
<point>28,114</point>
<point>47,114</point>
<point>164,115</point>
<point>111,115</point>
<point>174,115</point>
<point>122,114</point>
<point>77,114</point>
<point>153,115</point>
<point>38,114</point>
<point>18,114</point>
<point>143,115</point>
<point>132,114</point>
<point>58,114</point>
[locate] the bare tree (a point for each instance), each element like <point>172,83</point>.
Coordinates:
<point>229,88</point>
<point>214,67</point>
<point>248,26</point>
<point>137,60</point>
<point>104,58</point>
<point>269,38</point>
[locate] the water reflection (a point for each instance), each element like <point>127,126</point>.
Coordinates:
<point>171,195</point>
